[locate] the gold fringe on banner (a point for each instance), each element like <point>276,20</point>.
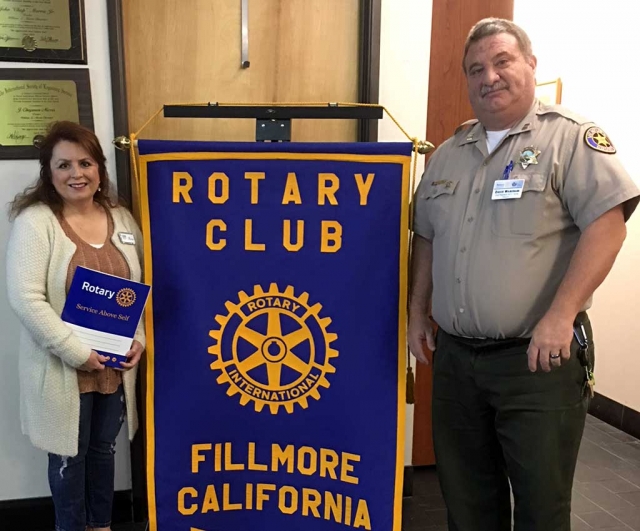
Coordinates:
<point>420,147</point>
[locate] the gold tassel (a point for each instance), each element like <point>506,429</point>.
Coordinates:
<point>410,385</point>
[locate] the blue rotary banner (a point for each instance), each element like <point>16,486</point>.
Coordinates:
<point>276,334</point>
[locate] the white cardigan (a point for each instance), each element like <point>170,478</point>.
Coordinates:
<point>38,258</point>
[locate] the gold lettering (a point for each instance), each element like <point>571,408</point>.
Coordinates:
<point>286,235</point>
<point>255,178</point>
<point>226,503</point>
<point>313,460</point>
<point>333,507</point>
<point>280,456</point>
<point>262,496</point>
<point>328,463</point>
<point>211,226</point>
<point>291,190</point>
<point>228,465</point>
<point>218,458</point>
<point>292,506</point>
<point>328,184</point>
<point>347,467</point>
<point>248,238</point>
<point>210,502</point>
<point>331,237</point>
<point>182,184</point>
<point>252,459</point>
<point>182,508</point>
<point>311,500</point>
<point>249,496</point>
<point>364,187</point>
<point>196,457</point>
<point>362,518</point>
<point>214,197</point>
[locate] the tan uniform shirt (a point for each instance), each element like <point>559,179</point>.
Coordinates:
<point>497,264</point>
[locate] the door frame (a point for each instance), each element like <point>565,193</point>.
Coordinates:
<point>368,92</point>
<point>448,106</point>
<point>368,79</point>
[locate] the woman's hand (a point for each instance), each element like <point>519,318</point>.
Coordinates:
<point>94,363</point>
<point>133,356</point>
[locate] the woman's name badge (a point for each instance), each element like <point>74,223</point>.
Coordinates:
<point>507,189</point>
<point>127,238</point>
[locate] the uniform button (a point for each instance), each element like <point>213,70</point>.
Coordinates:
<point>459,280</point>
<point>485,163</point>
<point>463,250</point>
<point>461,310</point>
<point>477,190</point>
<point>470,220</point>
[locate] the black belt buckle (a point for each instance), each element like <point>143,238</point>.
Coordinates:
<point>583,344</point>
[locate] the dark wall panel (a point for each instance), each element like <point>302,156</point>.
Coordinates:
<point>448,107</point>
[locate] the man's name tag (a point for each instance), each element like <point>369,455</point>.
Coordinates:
<point>507,189</point>
<point>127,238</point>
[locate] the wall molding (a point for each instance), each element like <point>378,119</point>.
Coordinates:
<point>615,414</point>
<point>37,514</point>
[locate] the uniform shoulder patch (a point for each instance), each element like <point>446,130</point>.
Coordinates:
<point>597,139</point>
<point>465,125</point>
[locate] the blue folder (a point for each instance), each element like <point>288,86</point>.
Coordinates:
<point>104,312</point>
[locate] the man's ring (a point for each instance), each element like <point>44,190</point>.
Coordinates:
<point>554,356</point>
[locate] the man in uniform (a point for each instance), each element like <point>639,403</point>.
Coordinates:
<point>517,220</point>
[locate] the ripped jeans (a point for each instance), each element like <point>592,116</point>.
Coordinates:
<point>82,486</point>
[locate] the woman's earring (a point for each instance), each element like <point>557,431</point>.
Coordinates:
<point>99,188</point>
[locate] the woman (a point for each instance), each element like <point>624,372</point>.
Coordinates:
<point>71,405</point>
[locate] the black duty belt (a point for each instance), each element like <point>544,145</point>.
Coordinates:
<point>491,345</point>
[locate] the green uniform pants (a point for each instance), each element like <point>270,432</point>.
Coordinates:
<point>495,423</point>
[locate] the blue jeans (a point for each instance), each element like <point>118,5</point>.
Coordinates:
<point>82,486</point>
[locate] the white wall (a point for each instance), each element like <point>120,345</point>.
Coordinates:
<point>23,469</point>
<point>405,47</point>
<point>592,47</point>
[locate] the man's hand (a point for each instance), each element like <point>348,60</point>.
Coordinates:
<point>94,363</point>
<point>133,356</point>
<point>420,332</point>
<point>551,342</point>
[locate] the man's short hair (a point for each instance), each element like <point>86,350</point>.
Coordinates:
<point>494,26</point>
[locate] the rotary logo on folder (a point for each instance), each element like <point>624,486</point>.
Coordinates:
<point>104,312</point>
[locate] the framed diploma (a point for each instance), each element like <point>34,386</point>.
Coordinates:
<point>550,92</point>
<point>30,99</point>
<point>45,31</point>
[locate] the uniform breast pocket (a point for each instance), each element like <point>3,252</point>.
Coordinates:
<point>517,218</point>
<point>439,198</point>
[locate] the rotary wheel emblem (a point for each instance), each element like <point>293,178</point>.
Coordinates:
<point>273,348</point>
<point>126,297</point>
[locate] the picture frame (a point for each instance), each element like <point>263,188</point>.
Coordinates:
<point>32,98</point>
<point>550,92</point>
<point>43,32</point>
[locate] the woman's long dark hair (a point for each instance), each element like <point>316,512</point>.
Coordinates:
<point>43,190</point>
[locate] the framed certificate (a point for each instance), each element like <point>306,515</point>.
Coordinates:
<point>30,99</point>
<point>550,93</point>
<point>44,31</point>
